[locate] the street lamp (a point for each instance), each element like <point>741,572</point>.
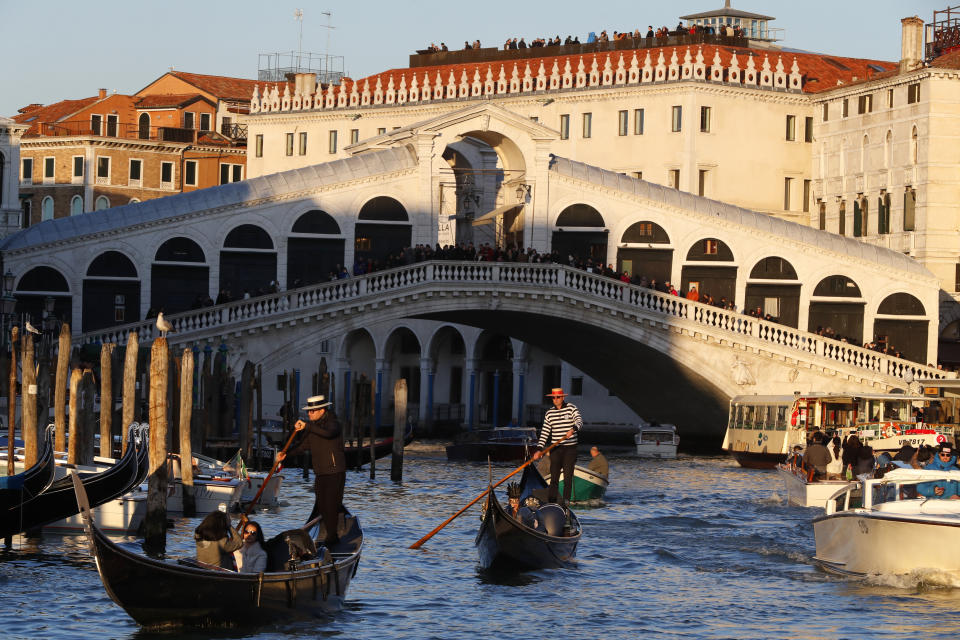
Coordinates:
<point>8,305</point>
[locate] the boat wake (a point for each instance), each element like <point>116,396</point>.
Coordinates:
<point>917,579</point>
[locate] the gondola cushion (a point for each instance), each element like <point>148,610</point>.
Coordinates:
<point>551,519</point>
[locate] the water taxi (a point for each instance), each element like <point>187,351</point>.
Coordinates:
<point>889,526</point>
<point>656,440</point>
<point>762,430</point>
<point>802,491</point>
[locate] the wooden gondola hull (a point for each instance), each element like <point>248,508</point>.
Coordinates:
<point>59,501</point>
<point>156,594</point>
<point>483,451</point>
<point>505,543</point>
<point>22,488</point>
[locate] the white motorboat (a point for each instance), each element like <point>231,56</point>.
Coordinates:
<point>803,492</point>
<point>883,526</point>
<point>212,469</point>
<point>656,440</point>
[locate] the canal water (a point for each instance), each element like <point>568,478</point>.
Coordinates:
<point>689,548</point>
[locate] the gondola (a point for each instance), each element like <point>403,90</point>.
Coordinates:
<point>16,490</point>
<point>156,593</point>
<point>504,542</point>
<point>58,501</point>
<point>358,456</point>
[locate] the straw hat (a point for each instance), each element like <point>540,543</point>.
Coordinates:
<point>316,402</point>
<point>556,392</point>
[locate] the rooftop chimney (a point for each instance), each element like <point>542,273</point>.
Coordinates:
<point>911,44</point>
<point>103,93</point>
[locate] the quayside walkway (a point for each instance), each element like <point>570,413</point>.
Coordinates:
<point>734,353</point>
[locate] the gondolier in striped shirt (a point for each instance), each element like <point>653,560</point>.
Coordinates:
<point>561,420</point>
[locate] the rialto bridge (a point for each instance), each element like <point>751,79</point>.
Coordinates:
<point>481,338</point>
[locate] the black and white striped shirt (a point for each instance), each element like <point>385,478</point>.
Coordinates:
<point>556,423</point>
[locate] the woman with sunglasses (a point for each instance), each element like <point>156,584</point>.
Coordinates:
<point>252,556</point>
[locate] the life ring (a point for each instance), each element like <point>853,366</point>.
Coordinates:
<point>941,438</point>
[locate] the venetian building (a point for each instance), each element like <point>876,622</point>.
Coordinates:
<point>10,210</point>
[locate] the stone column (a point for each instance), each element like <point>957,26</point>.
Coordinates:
<point>426,391</point>
<point>471,390</point>
<point>378,397</point>
<point>519,388</point>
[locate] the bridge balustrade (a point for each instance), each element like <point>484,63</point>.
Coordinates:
<point>540,278</point>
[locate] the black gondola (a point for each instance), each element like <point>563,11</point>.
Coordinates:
<point>17,490</point>
<point>59,500</point>
<point>504,542</point>
<point>156,593</point>
<point>358,456</point>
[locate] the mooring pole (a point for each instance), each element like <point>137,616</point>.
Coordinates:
<point>60,388</point>
<point>28,398</point>
<point>373,430</point>
<point>186,446</point>
<point>155,523</point>
<point>129,387</point>
<point>11,413</point>
<point>399,423</point>
<point>106,400</point>
<point>73,448</point>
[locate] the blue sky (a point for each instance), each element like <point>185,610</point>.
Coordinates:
<point>66,49</point>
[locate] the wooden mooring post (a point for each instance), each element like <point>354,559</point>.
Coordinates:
<point>373,429</point>
<point>186,446</point>
<point>73,449</point>
<point>399,425</point>
<point>106,400</point>
<point>129,387</point>
<point>28,399</point>
<point>155,523</point>
<point>60,388</point>
<point>11,413</point>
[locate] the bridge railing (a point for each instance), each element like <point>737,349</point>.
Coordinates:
<point>540,277</point>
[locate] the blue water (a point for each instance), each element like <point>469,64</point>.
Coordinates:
<point>691,548</point>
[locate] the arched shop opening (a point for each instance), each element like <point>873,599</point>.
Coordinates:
<point>248,262</point>
<point>836,309</point>
<point>179,276</point>
<point>773,290</point>
<point>383,228</point>
<point>580,233</point>
<point>645,251</point>
<point>710,267</point>
<point>315,249</point>
<point>898,328</point>
<point>33,291</point>
<point>111,292</point>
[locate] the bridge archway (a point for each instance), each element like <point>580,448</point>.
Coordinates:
<point>35,286</point>
<point>248,261</point>
<point>179,276</point>
<point>494,356</point>
<point>837,309</point>
<point>645,251</point>
<point>447,353</point>
<point>315,248</point>
<point>111,292</point>
<point>401,355</point>
<point>710,265</point>
<point>774,290</point>
<point>899,326</point>
<point>580,232</point>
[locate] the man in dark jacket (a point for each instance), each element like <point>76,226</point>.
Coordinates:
<point>817,457</point>
<point>324,439</point>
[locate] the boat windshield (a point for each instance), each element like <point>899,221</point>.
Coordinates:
<point>656,436</point>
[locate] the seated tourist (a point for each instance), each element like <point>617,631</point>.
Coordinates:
<point>816,458</point>
<point>945,460</point>
<point>252,556</point>
<point>216,540</point>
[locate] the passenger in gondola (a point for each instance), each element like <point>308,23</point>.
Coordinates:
<point>252,556</point>
<point>521,512</point>
<point>216,540</point>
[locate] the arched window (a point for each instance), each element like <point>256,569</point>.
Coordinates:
<point>837,287</point>
<point>316,222</point>
<point>901,304</point>
<point>773,268</point>
<point>580,215</point>
<point>143,126</point>
<point>644,231</point>
<point>46,208</point>
<point>888,150</point>
<point>76,205</point>
<point>383,208</point>
<point>710,249</point>
<point>111,264</point>
<point>179,250</point>
<point>914,146</point>
<point>102,202</point>
<point>248,236</point>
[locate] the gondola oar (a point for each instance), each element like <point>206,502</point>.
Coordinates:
<point>273,470</point>
<point>419,543</point>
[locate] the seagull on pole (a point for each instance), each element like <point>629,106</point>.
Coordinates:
<point>163,326</point>
<point>32,329</point>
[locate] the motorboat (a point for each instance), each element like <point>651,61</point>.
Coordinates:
<point>211,469</point>
<point>502,444</point>
<point>656,440</point>
<point>762,430</point>
<point>802,491</point>
<point>888,526</point>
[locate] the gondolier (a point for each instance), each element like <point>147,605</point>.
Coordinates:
<point>563,420</point>
<point>324,439</point>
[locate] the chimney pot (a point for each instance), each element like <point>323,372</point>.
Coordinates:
<point>911,43</point>
<point>103,93</point>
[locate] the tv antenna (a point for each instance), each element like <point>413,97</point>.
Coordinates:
<point>326,52</point>
<point>298,16</point>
